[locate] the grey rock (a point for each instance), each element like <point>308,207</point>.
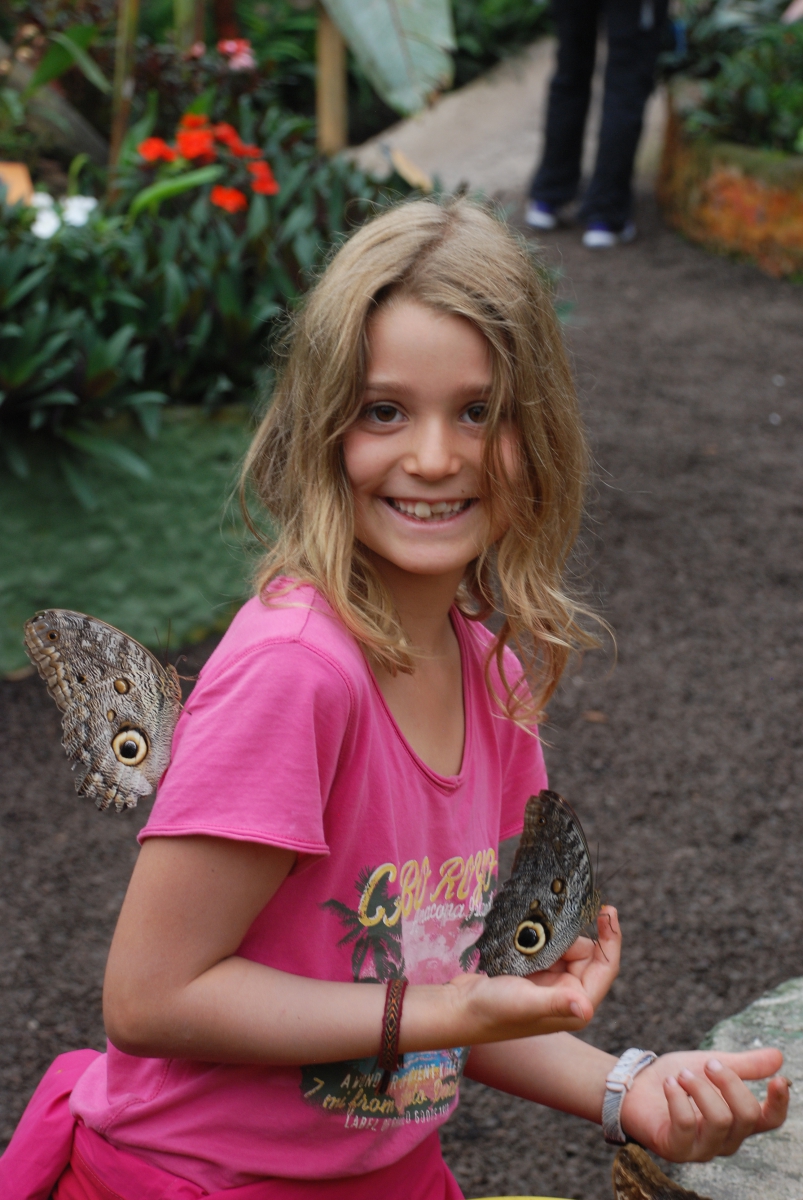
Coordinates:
<point>768,1166</point>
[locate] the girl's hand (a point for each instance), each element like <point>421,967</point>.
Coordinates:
<point>693,1106</point>
<point>564,997</point>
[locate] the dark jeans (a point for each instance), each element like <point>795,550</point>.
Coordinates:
<point>634,33</point>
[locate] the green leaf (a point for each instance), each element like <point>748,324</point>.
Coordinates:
<point>56,396</point>
<point>15,458</point>
<point>25,285</point>
<point>77,164</point>
<point>402,46</point>
<point>88,67</point>
<point>152,197</point>
<point>127,299</point>
<point>258,218</point>
<point>57,58</point>
<point>203,102</point>
<point>148,407</point>
<point>104,448</point>
<point>78,484</point>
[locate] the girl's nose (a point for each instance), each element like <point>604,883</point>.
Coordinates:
<point>432,454</point>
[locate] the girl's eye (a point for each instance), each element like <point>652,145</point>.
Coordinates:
<point>476,414</point>
<point>384,414</point>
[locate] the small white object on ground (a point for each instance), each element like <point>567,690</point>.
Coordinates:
<point>606,239</point>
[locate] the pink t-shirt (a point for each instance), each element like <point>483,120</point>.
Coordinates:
<point>287,740</point>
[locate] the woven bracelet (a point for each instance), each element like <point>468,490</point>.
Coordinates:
<point>389,1058</point>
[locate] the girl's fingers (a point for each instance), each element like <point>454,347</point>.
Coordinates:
<point>745,1109</point>
<point>754,1064</point>
<point>715,1126</point>
<point>683,1122</point>
<point>773,1110</point>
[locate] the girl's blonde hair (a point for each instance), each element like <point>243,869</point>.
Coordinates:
<point>457,258</point>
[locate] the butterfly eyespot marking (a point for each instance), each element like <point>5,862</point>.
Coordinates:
<point>531,936</point>
<point>130,747</point>
<point>53,635</point>
<point>80,679</point>
<point>558,885</point>
<point>122,686</point>
<point>111,714</point>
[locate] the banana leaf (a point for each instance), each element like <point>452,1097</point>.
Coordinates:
<point>402,46</point>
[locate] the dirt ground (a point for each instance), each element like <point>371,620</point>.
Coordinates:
<point>689,778</point>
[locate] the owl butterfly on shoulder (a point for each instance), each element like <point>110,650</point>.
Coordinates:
<point>120,704</point>
<point>550,897</point>
<point>637,1177</point>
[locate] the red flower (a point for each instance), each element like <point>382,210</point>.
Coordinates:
<point>227,135</point>
<point>155,149</point>
<point>193,121</point>
<point>231,199</point>
<point>264,180</point>
<point>196,143</point>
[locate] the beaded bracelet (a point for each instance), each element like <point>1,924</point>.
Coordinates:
<point>389,1058</point>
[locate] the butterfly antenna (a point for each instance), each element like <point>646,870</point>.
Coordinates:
<point>612,875</point>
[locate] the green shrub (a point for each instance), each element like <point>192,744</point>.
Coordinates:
<point>757,96</point>
<point>711,31</point>
<point>174,301</point>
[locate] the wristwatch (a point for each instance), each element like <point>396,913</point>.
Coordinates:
<point>618,1083</point>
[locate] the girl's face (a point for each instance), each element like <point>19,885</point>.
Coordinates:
<point>414,456</point>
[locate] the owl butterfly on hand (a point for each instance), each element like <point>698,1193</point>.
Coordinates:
<point>550,897</point>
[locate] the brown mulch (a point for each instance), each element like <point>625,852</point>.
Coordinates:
<point>684,761</point>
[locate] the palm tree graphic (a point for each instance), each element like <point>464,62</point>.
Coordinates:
<point>379,945</point>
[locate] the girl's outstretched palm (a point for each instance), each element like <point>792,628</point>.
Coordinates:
<point>692,1106</point>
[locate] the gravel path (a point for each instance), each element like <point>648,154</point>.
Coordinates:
<point>690,782</point>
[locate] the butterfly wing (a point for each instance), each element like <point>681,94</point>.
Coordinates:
<point>540,911</point>
<point>120,704</point>
<point>637,1177</point>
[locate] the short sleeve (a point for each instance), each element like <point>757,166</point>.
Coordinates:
<point>256,750</point>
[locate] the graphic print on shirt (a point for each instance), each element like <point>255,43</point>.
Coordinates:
<point>420,923</point>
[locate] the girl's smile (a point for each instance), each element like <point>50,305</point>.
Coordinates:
<point>414,456</point>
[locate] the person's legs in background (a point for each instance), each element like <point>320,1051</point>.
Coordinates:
<point>634,36</point>
<point>557,178</point>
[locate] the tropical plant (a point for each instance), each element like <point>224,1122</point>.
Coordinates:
<point>379,945</point>
<point>170,292</point>
<point>710,31</point>
<point>757,96</point>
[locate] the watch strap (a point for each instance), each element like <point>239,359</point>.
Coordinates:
<point>617,1085</point>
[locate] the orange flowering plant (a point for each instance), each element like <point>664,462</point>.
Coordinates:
<point>200,143</point>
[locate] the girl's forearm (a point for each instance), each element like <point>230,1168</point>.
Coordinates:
<point>557,1070</point>
<point>242,1012</point>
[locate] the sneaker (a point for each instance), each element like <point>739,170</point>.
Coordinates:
<point>540,215</point>
<point>600,236</point>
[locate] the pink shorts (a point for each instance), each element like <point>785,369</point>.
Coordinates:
<point>51,1157</point>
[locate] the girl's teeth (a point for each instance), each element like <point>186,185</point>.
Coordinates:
<point>424,511</point>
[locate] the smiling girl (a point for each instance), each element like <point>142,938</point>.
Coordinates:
<point>351,757</point>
